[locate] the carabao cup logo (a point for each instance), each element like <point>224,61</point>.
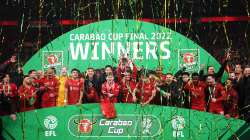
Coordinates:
<point>84,126</point>
<point>188,58</point>
<point>50,122</point>
<point>52,59</point>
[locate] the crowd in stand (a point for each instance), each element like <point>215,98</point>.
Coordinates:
<point>127,83</point>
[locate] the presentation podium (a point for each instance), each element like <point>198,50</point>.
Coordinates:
<point>133,121</point>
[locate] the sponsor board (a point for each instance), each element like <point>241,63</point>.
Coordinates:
<point>170,123</point>
<point>125,125</point>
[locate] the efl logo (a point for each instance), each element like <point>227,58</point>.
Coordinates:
<point>50,122</point>
<point>178,124</point>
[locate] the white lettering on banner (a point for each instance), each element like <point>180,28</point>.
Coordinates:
<point>113,130</point>
<point>79,47</point>
<point>123,50</point>
<point>137,49</point>
<point>125,125</point>
<point>177,134</point>
<point>163,49</point>
<point>119,36</point>
<point>115,123</point>
<point>127,36</point>
<point>151,51</point>
<point>117,48</point>
<point>53,65</point>
<point>91,37</point>
<point>94,52</point>
<point>106,49</point>
<point>50,133</point>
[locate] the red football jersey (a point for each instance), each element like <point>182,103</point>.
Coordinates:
<point>9,90</point>
<point>127,90</point>
<point>110,89</point>
<point>197,95</point>
<point>27,98</point>
<point>147,90</point>
<point>231,103</point>
<point>121,70</point>
<point>74,88</point>
<point>92,95</point>
<point>50,88</point>
<point>218,93</point>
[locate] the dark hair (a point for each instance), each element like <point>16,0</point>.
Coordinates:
<point>142,72</point>
<point>108,66</point>
<point>239,63</point>
<point>75,69</point>
<point>90,68</point>
<point>98,70</point>
<point>185,73</point>
<point>151,72</point>
<point>25,76</point>
<point>30,71</point>
<point>246,66</point>
<point>54,69</point>
<point>195,74</point>
<point>209,66</point>
<point>129,71</point>
<point>4,75</point>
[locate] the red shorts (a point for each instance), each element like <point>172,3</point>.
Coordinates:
<point>51,102</point>
<point>216,109</point>
<point>199,108</point>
